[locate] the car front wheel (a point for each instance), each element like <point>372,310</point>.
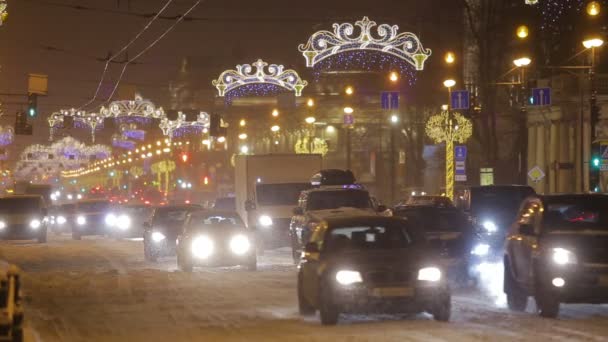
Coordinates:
<point>517,299</point>
<point>328,310</point>
<point>442,309</point>
<point>547,303</point>
<point>184,263</point>
<point>303,305</point>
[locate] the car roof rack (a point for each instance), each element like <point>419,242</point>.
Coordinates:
<point>333,177</point>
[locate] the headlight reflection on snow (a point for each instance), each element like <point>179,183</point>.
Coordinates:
<point>491,281</point>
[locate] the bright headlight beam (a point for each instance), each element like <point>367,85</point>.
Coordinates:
<point>123,222</point>
<point>110,219</point>
<point>265,221</point>
<point>563,256</point>
<point>240,245</point>
<point>348,277</point>
<point>481,249</point>
<point>490,226</point>
<point>158,237</point>
<point>81,220</point>
<point>202,247</point>
<point>2,225</point>
<point>61,220</point>
<point>429,274</point>
<point>35,224</point>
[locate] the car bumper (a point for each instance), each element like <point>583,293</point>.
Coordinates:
<point>225,259</point>
<point>90,229</point>
<point>397,298</point>
<point>582,283</point>
<point>21,232</point>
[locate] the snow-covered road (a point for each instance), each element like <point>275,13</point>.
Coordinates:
<point>102,290</point>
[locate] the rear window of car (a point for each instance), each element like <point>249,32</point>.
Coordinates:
<point>372,237</point>
<point>435,219</point>
<point>574,213</point>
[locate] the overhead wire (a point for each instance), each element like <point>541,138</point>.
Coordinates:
<point>123,49</point>
<point>169,29</point>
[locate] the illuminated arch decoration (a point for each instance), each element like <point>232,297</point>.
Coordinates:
<point>259,79</point>
<point>181,126</point>
<point>7,136</point>
<point>140,108</point>
<point>385,40</point>
<point>3,12</point>
<point>305,146</point>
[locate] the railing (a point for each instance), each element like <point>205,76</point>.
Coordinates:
<point>11,313</point>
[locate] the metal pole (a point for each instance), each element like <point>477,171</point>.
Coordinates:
<point>449,152</point>
<point>523,152</point>
<point>592,111</point>
<point>393,166</point>
<point>348,148</point>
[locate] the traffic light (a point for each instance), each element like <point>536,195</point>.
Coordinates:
<point>595,165</point>
<point>32,105</point>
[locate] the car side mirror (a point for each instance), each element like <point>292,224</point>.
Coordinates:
<point>527,229</point>
<point>298,211</point>
<point>311,247</point>
<point>249,205</point>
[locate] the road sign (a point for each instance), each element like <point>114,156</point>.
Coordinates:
<point>604,156</point>
<point>460,152</point>
<point>349,119</point>
<point>460,99</point>
<point>389,100</point>
<point>536,174</point>
<point>486,176</point>
<point>541,97</point>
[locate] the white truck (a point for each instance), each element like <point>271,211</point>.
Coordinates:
<point>267,188</point>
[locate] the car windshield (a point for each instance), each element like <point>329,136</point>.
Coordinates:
<point>576,213</point>
<point>280,194</point>
<point>435,219</point>
<point>225,203</point>
<point>93,206</point>
<point>368,238</point>
<point>323,200</point>
<point>217,220</point>
<point>19,205</point>
<point>171,215</point>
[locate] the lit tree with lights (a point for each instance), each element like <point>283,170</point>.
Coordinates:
<point>449,128</point>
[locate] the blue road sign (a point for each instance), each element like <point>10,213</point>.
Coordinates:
<point>460,152</point>
<point>460,99</point>
<point>349,119</point>
<point>541,97</point>
<point>389,100</point>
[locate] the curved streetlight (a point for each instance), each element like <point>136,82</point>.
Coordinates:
<point>449,83</point>
<point>449,57</point>
<point>522,32</point>
<point>522,62</point>
<point>593,43</point>
<point>275,128</point>
<point>393,77</point>
<point>593,8</point>
<point>310,120</point>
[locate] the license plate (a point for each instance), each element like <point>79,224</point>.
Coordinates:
<point>392,292</point>
<point>603,280</point>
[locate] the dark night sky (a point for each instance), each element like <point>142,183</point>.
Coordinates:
<point>237,32</point>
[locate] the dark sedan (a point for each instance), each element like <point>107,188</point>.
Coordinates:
<point>216,238</point>
<point>370,265</point>
<point>163,228</point>
<point>90,218</point>
<point>557,252</point>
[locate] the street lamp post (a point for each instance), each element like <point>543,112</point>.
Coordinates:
<point>522,63</point>
<point>591,45</point>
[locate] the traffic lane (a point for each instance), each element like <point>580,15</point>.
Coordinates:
<point>110,293</point>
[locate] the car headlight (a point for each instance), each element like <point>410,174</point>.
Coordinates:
<point>429,274</point>
<point>2,224</point>
<point>158,236</point>
<point>563,256</point>
<point>110,219</point>
<point>348,277</point>
<point>265,221</point>
<point>60,220</point>
<point>81,220</point>
<point>240,244</point>
<point>35,224</point>
<point>481,249</point>
<point>202,247</point>
<point>123,222</point>
<point>490,226</point>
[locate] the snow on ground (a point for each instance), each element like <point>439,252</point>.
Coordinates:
<point>102,290</point>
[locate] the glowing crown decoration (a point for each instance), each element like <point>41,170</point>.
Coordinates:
<point>139,107</point>
<point>246,75</point>
<point>170,127</point>
<point>324,44</point>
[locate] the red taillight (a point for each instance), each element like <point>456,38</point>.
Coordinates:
<point>187,201</point>
<point>147,202</point>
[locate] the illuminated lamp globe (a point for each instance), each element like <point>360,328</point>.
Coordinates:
<point>593,8</point>
<point>330,129</point>
<point>310,120</point>
<point>450,57</point>
<point>522,32</point>
<point>275,113</point>
<point>242,123</point>
<point>394,77</point>
<point>310,102</point>
<point>349,90</point>
<point>221,139</point>
<point>243,136</point>
<point>593,43</point>
<point>244,149</point>
<point>348,110</point>
<point>449,83</point>
<point>522,62</point>
<point>275,128</point>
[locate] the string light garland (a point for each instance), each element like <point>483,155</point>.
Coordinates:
<point>385,39</point>
<point>262,73</point>
<point>552,11</point>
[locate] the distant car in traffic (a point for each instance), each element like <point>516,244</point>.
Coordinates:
<point>317,203</point>
<point>65,216</point>
<point>89,218</point>
<point>127,221</point>
<point>215,238</point>
<point>557,252</point>
<point>450,234</point>
<point>23,217</point>
<point>162,229</point>
<point>370,264</point>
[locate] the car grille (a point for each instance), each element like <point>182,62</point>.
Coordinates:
<point>595,255</point>
<point>382,277</point>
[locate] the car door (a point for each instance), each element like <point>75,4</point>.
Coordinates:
<point>524,241</point>
<point>311,265</point>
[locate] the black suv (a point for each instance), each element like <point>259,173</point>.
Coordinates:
<point>370,264</point>
<point>450,234</point>
<point>556,252</point>
<point>326,201</point>
<point>163,228</point>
